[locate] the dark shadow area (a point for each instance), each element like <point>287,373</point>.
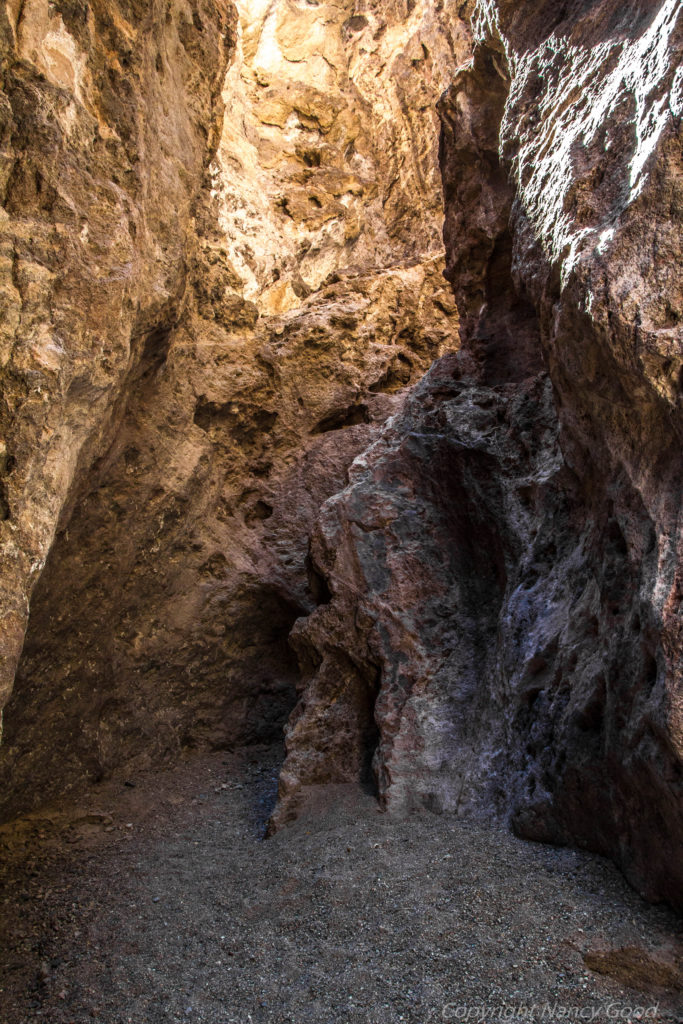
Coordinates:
<point>144,643</point>
<point>342,418</point>
<point>580,19</point>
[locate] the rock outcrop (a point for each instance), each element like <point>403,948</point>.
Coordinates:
<point>238,283</point>
<point>501,628</point>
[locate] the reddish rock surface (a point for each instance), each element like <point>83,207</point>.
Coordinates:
<point>503,630</point>
<point>98,184</point>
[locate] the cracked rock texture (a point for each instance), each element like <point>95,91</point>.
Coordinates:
<point>500,631</point>
<point>221,268</point>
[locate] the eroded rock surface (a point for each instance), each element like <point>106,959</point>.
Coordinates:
<point>110,115</point>
<point>502,632</point>
<point>221,277</point>
<point>286,283</point>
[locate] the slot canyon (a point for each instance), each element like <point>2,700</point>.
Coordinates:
<point>341,525</point>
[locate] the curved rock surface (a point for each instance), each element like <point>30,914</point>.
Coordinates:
<point>502,634</point>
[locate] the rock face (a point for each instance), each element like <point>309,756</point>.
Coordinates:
<point>501,629</point>
<point>221,284</point>
<point>110,114</point>
<point>223,267</point>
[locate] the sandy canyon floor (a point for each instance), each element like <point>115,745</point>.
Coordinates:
<point>156,899</point>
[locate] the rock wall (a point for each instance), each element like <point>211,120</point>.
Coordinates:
<point>110,114</point>
<point>500,629</point>
<point>221,284</point>
<point>235,332</point>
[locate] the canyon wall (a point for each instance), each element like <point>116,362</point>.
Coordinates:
<point>501,631</point>
<point>221,301</point>
<point>246,478</point>
<point>110,116</point>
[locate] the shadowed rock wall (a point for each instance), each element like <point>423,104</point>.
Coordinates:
<point>502,627</point>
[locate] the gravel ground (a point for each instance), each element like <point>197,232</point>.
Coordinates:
<point>158,901</point>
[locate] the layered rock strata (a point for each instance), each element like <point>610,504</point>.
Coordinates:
<point>501,630</point>
<point>238,282</point>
